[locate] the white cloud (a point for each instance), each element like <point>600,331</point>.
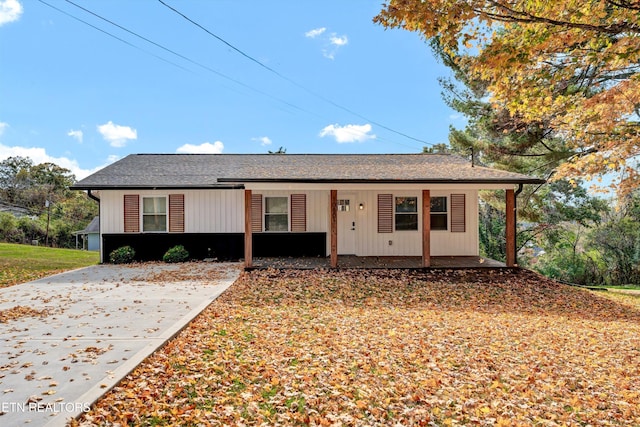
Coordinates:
<point>331,42</point>
<point>10,10</point>
<point>117,135</point>
<point>334,43</point>
<point>312,34</point>
<point>204,148</point>
<point>76,134</point>
<point>348,133</point>
<point>3,127</point>
<point>338,41</point>
<point>264,140</point>
<point>39,155</point>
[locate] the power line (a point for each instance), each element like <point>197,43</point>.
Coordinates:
<point>238,82</point>
<point>205,67</point>
<point>166,49</point>
<point>112,35</point>
<point>249,57</point>
<point>266,67</point>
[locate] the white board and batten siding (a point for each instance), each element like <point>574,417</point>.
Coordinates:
<point>222,211</point>
<point>369,242</point>
<point>317,207</point>
<point>211,211</point>
<point>205,211</point>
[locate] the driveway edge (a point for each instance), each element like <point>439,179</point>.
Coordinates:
<point>110,381</point>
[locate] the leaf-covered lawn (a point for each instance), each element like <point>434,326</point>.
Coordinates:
<point>393,348</point>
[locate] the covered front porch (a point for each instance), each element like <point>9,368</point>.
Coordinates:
<point>457,224</point>
<point>375,262</point>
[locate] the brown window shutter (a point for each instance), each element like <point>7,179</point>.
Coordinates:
<point>458,213</point>
<point>131,213</point>
<point>385,213</point>
<point>298,212</point>
<point>176,213</point>
<point>256,213</point>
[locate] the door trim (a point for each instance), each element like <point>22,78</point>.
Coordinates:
<point>347,225</point>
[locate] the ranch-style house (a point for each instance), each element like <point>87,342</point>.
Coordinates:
<point>241,206</point>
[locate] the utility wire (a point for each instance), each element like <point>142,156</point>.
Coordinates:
<point>198,64</point>
<point>288,79</point>
<point>249,57</point>
<point>114,36</point>
<point>240,83</point>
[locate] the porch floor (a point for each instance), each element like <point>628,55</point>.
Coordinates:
<point>372,262</point>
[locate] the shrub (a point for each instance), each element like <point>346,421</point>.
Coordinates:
<point>32,229</point>
<point>176,254</point>
<point>9,231</point>
<point>122,255</point>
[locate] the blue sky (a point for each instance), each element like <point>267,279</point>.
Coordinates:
<point>314,76</point>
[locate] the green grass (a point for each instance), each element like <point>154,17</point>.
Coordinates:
<point>22,263</point>
<point>618,287</point>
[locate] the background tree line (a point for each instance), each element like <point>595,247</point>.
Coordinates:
<point>26,188</point>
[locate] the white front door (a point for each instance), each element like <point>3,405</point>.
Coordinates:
<point>346,224</point>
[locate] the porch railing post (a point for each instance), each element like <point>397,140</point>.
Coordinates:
<point>248,236</point>
<point>426,228</point>
<point>333,214</point>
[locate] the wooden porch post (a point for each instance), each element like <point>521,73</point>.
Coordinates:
<point>248,236</point>
<point>426,228</point>
<point>333,206</point>
<point>510,226</point>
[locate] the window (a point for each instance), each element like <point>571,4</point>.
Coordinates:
<point>406,213</point>
<point>154,214</point>
<point>276,217</point>
<point>439,213</point>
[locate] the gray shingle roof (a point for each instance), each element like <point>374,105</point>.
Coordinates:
<point>232,170</point>
<point>93,227</point>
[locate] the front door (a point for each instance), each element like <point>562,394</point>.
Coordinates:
<point>346,225</point>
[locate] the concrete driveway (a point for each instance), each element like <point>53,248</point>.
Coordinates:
<point>69,338</point>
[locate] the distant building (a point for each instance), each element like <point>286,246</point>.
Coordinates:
<point>90,236</point>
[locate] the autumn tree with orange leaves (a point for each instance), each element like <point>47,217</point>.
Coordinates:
<point>571,65</point>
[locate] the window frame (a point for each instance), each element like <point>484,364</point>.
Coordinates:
<point>286,214</point>
<point>413,213</point>
<point>143,214</point>
<point>444,213</point>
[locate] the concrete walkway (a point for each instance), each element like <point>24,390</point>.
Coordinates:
<point>68,339</point>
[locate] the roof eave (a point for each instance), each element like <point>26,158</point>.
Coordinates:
<point>235,183</point>
<point>158,187</point>
<point>387,181</point>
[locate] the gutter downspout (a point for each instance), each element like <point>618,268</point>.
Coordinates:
<point>515,216</point>
<point>91,196</point>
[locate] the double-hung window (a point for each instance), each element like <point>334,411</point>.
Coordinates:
<point>154,214</point>
<point>276,214</point>
<point>406,213</point>
<point>439,217</point>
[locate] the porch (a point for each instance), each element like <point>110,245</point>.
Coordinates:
<point>375,262</point>
<point>377,226</point>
